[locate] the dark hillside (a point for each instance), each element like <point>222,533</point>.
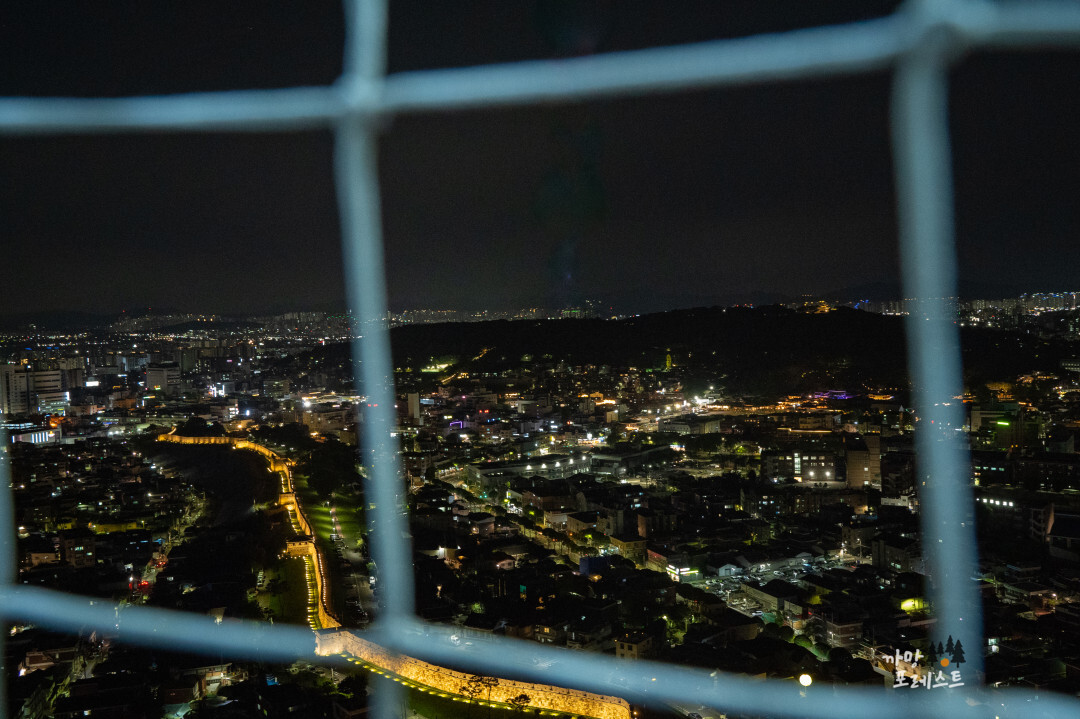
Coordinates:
<point>759,350</point>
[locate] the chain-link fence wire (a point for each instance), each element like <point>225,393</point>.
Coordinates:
<point>919,41</point>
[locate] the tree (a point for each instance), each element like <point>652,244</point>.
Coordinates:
<point>471,689</point>
<point>949,649</point>
<point>292,435</point>
<point>329,466</point>
<point>958,653</point>
<point>199,427</point>
<point>839,655</point>
<point>521,701</point>
<point>678,614</point>
<point>353,685</point>
<point>479,684</point>
<point>786,633</point>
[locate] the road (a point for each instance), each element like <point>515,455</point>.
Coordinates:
<point>194,511</point>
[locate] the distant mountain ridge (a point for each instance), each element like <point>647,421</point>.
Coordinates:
<point>883,291</point>
<point>766,350</point>
<point>55,320</point>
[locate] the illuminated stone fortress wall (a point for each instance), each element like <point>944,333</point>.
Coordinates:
<point>541,696</point>
<point>288,499</point>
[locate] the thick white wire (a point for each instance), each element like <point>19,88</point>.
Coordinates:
<point>928,267</point>
<point>919,39</point>
<point>814,52</point>
<point>357,182</point>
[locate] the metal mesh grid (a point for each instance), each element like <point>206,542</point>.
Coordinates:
<point>918,41</point>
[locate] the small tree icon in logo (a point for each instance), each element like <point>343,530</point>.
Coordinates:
<point>958,652</point>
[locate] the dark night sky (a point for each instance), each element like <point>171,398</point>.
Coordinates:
<point>695,198</point>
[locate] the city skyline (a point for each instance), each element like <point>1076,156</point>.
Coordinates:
<point>140,319</point>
